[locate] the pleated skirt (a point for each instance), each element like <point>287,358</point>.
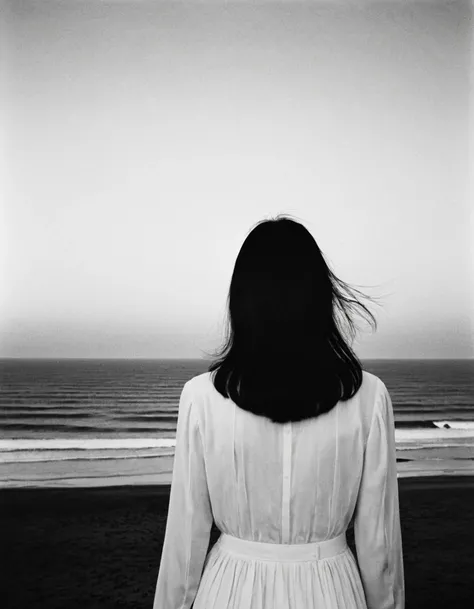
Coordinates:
<point>241,574</point>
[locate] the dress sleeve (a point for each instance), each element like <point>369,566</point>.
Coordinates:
<point>190,517</point>
<point>377,529</point>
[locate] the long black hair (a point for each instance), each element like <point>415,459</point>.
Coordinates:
<point>285,356</point>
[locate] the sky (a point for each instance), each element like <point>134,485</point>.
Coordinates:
<point>143,140</point>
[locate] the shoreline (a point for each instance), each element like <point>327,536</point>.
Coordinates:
<point>157,471</point>
<point>161,489</point>
<point>407,470</point>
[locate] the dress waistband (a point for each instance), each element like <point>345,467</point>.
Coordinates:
<point>283,551</point>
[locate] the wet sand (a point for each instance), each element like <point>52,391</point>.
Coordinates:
<point>91,548</point>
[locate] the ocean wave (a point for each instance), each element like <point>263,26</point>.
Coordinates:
<point>11,410</point>
<point>433,406</point>
<point>146,417</point>
<point>422,446</point>
<point>85,444</point>
<point>52,427</point>
<point>44,415</point>
<point>431,424</point>
<point>39,457</point>
<point>57,400</point>
<point>47,401</point>
<point>468,425</point>
<point>41,427</point>
<point>435,434</point>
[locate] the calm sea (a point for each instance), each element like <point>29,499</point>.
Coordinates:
<point>94,422</point>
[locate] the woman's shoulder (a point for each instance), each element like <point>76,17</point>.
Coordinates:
<point>201,384</point>
<point>372,380</point>
<point>198,383</point>
<point>370,391</point>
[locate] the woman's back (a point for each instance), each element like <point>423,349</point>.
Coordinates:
<point>297,483</point>
<point>291,483</point>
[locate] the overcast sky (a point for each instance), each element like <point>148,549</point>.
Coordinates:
<point>144,140</point>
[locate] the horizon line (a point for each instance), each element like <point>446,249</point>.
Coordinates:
<point>211,359</point>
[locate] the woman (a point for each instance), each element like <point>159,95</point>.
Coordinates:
<point>284,442</point>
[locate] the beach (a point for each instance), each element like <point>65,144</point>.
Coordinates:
<point>86,460</point>
<point>101,547</point>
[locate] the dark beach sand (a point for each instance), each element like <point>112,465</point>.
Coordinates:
<point>101,547</point>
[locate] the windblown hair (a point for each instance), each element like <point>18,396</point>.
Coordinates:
<point>285,356</point>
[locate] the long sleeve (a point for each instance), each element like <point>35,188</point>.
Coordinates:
<point>189,515</point>
<point>377,529</point>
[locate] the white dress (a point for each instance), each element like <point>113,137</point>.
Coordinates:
<point>298,483</point>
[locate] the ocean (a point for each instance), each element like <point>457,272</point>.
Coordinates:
<point>92,422</point>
